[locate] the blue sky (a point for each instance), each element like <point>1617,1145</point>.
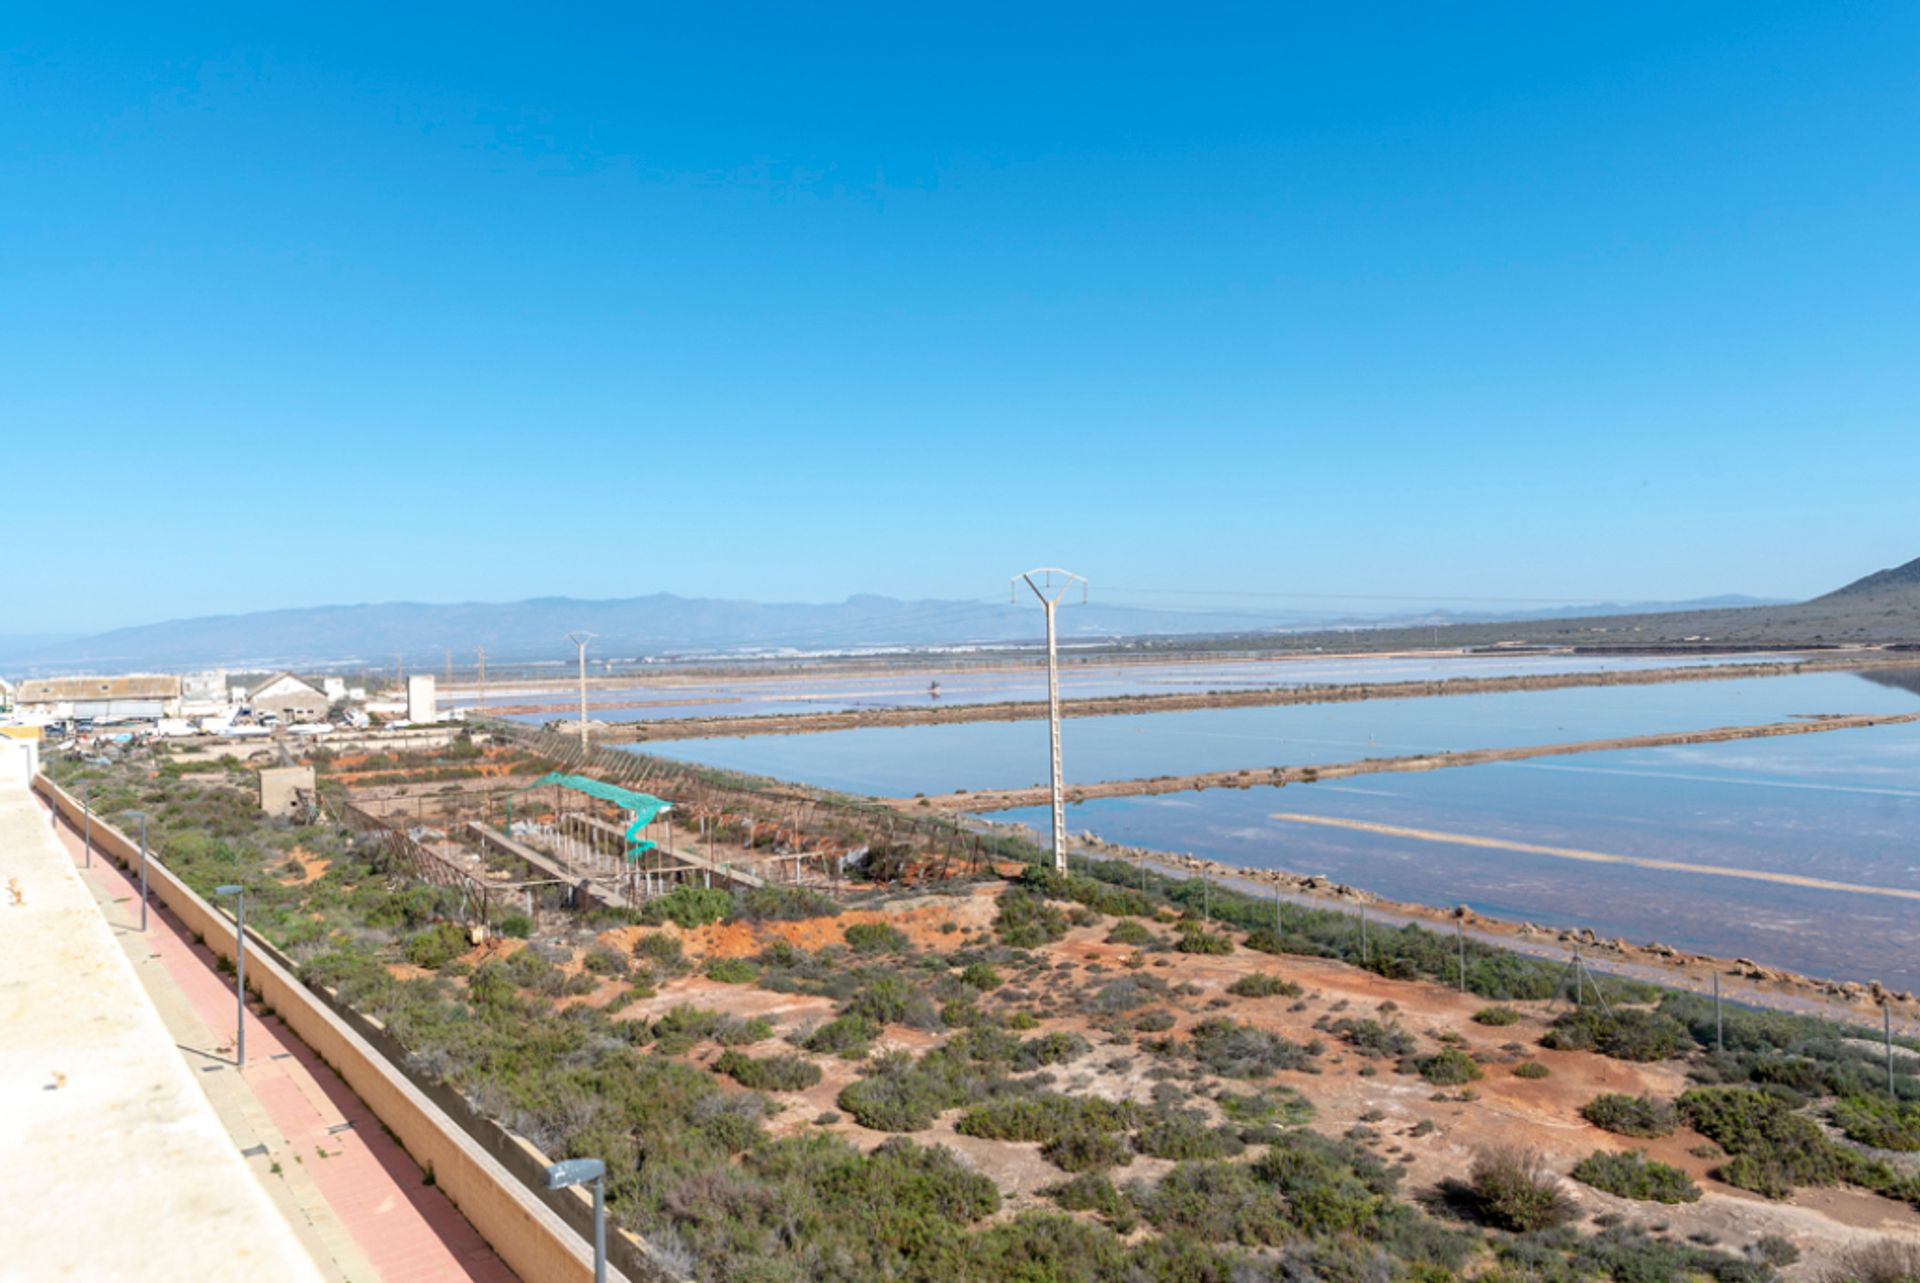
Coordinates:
<point>790,302</point>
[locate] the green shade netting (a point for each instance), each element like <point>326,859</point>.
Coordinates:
<point>644,806</point>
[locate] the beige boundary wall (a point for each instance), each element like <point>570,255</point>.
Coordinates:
<point>542,1236</point>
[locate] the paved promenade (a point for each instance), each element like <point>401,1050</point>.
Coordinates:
<point>113,1163</point>
<point>363,1209</point>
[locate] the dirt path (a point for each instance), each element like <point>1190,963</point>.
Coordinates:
<point>1117,705</point>
<point>1594,857</point>
<point>1037,795</point>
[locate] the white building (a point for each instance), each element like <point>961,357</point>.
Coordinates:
<point>288,698</point>
<point>420,700</point>
<point>205,694</point>
<point>137,697</point>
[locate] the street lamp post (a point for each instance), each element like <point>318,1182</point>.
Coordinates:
<point>142,815</point>
<point>86,810</point>
<point>239,894</point>
<point>575,1171</point>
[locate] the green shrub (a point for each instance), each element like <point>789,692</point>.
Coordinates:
<point>662,953</point>
<point>436,946</point>
<point>848,1036</point>
<point>981,976</point>
<point>1531,1069</point>
<point>1879,1121</point>
<point>732,971</point>
<point>1514,1190</point>
<point>876,937</point>
<point>1045,1116</point>
<point>1086,1150</point>
<point>1184,1137</point>
<point>1373,1039</point>
<point>1631,1115</point>
<point>1331,1186</point>
<point>1025,921</point>
<point>693,1023</point>
<point>1274,1107</point>
<point>1628,1034</point>
<point>603,961</point>
<point>683,1026</point>
<point>1218,1202</point>
<point>1093,1192</point>
<point>904,1095</point>
<point>1132,933</point>
<point>1125,994</point>
<point>1233,1050</point>
<point>517,925</point>
<point>892,999</point>
<point>770,1073</point>
<point>1197,939</point>
<point>1448,1067</point>
<point>740,1033</point>
<point>781,904</point>
<point>1498,1017</point>
<point>1098,895</point>
<point>1633,1175</point>
<point>1774,1149</point>
<point>1260,985</point>
<point>688,906</point>
<point>1049,1049</point>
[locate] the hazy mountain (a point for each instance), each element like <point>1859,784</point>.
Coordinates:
<point>1882,608</point>
<point>1900,581</point>
<point>653,625</point>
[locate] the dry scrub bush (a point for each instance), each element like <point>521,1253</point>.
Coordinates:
<point>1515,1190</point>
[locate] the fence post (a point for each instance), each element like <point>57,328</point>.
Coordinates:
<point>1719,1028</point>
<point>1886,1017</point>
<point>1460,928</point>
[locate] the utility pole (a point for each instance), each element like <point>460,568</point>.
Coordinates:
<point>580,640</point>
<point>481,652</point>
<point>1050,600</point>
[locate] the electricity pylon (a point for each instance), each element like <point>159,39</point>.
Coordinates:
<point>1050,597</point>
<point>580,640</point>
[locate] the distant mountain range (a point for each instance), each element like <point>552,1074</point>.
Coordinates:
<point>1881,607</point>
<point>657,625</point>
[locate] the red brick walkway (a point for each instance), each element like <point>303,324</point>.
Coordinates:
<point>406,1228</point>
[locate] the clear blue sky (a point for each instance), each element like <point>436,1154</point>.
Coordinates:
<point>305,304</point>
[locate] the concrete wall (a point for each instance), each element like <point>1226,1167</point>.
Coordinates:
<point>541,1236</point>
<point>19,758</point>
<point>280,788</point>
